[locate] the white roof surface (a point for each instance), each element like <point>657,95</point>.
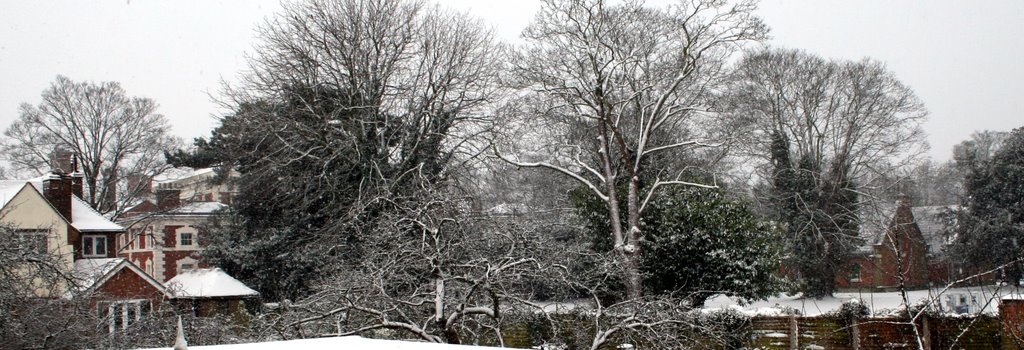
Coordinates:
<point>8,189</point>
<point>350,342</point>
<point>85,219</point>
<point>199,208</point>
<point>175,174</point>
<point>88,271</point>
<point>207,283</point>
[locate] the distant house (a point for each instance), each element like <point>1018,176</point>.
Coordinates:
<point>903,245</point>
<point>167,230</point>
<point>48,212</point>
<point>167,234</point>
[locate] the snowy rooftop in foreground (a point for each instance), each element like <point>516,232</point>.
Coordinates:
<point>880,303</point>
<point>208,283</point>
<point>351,342</point>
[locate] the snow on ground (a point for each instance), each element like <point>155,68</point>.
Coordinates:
<point>953,301</point>
<point>350,342</point>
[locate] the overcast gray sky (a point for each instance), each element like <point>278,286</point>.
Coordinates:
<point>962,58</point>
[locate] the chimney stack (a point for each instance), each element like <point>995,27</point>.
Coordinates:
<point>57,190</point>
<point>77,178</point>
<point>140,185</point>
<point>61,159</point>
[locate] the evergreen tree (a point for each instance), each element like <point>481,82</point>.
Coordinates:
<point>819,218</point>
<point>990,231</point>
<point>700,243</point>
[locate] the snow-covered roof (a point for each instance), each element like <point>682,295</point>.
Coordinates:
<point>199,208</point>
<point>89,274</point>
<point>176,174</point>
<point>85,219</point>
<point>9,189</point>
<point>88,271</point>
<point>208,283</point>
<point>350,342</point>
<point>931,220</point>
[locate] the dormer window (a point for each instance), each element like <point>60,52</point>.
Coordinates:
<point>94,246</point>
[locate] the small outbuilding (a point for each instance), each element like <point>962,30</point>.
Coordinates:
<point>211,292</point>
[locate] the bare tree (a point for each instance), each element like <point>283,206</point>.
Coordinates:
<point>826,131</point>
<point>430,273</point>
<point>619,83</point>
<point>113,136</point>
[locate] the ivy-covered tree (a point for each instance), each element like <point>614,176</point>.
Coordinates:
<point>822,130</point>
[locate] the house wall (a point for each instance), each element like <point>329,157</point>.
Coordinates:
<point>157,251</point>
<point>126,285</point>
<point>902,253</point>
<point>200,187</point>
<point>29,210</point>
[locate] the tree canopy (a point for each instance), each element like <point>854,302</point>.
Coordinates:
<point>112,136</point>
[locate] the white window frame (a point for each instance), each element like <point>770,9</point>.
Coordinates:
<point>92,247</point>
<point>122,307</point>
<point>186,261</point>
<point>194,239</point>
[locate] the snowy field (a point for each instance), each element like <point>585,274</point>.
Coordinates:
<point>952,301</point>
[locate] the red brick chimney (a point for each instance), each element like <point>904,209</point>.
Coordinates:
<point>57,190</point>
<point>77,179</point>
<point>167,198</point>
<point>61,159</point>
<point>140,185</point>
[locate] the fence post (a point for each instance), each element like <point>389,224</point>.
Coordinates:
<point>794,333</point>
<point>855,334</point>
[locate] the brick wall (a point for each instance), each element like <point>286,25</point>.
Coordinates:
<point>127,285</point>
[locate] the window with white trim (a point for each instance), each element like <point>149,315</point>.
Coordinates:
<point>187,237</point>
<point>186,267</point>
<point>122,314</point>
<point>94,246</point>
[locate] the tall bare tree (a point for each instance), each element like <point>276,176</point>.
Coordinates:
<point>619,83</point>
<point>113,136</point>
<point>826,129</point>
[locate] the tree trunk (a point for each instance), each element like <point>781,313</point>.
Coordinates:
<point>634,284</point>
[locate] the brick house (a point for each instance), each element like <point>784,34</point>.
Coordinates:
<point>166,232</point>
<point>903,241</point>
<point>49,213</point>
